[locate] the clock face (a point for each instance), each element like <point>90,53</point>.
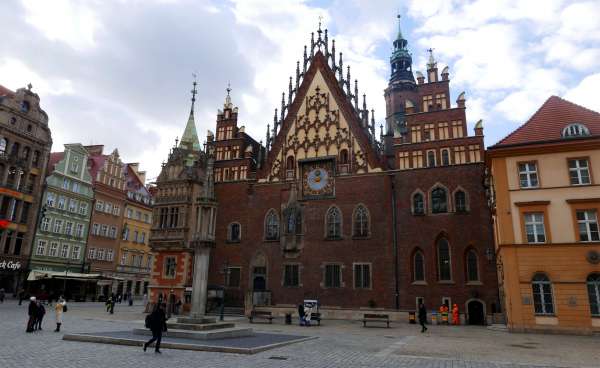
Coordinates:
<point>318,179</point>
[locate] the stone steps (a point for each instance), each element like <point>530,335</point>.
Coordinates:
<point>222,333</point>
<point>199,326</point>
<point>194,320</point>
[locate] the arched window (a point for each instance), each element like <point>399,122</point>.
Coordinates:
<point>361,222</point>
<point>460,201</point>
<point>14,151</point>
<point>439,201</point>
<point>344,157</point>
<point>418,205</point>
<point>26,152</point>
<point>3,144</point>
<point>293,221</point>
<point>472,266</point>
<point>334,223</point>
<point>543,300</point>
<point>418,266</point>
<point>290,163</point>
<point>444,265</point>
<point>575,130</point>
<point>431,159</point>
<point>593,285</point>
<point>272,226</point>
<point>234,232</point>
<point>445,157</point>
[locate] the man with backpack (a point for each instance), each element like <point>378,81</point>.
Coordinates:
<point>157,323</point>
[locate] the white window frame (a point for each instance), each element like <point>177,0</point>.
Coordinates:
<point>61,202</point>
<point>57,226</point>
<point>529,170</point>
<point>76,252</point>
<point>340,278</point>
<point>66,184</point>
<point>99,205</point>
<point>64,251</point>
<point>53,250</point>
<point>41,248</point>
<point>110,255</point>
<point>531,220</point>
<point>578,171</point>
<point>50,199</point>
<point>92,253</point>
<point>72,205</point>
<point>82,208</point>
<point>68,228</point>
<point>590,220</point>
<point>45,225</point>
<point>79,230</point>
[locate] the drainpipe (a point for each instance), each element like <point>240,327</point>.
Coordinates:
<point>395,242</point>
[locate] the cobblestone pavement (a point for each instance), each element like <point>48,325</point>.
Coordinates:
<point>340,344</point>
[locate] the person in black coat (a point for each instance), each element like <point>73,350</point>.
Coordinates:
<point>158,325</point>
<point>422,317</point>
<point>32,312</point>
<point>41,312</point>
<point>301,314</point>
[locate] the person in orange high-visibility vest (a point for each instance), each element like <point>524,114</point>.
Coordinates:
<point>455,320</point>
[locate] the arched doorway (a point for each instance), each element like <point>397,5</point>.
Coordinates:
<point>475,312</point>
<point>258,280</point>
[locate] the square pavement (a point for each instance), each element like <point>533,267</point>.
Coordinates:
<point>339,344</point>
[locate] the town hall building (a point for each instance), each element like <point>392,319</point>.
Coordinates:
<point>324,209</point>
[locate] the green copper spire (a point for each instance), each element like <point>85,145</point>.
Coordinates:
<point>399,37</point>
<point>189,139</point>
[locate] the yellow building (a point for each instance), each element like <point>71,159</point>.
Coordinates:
<point>135,258</point>
<point>546,200</point>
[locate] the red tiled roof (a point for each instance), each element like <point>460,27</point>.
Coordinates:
<point>5,91</point>
<point>549,121</point>
<point>55,157</point>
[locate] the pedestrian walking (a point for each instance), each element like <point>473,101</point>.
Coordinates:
<point>455,317</point>
<point>2,295</point>
<point>59,309</point>
<point>422,317</point>
<point>301,314</point>
<point>41,312</point>
<point>157,322</point>
<point>21,296</point>
<point>32,313</point>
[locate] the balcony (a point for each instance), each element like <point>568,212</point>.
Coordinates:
<point>167,234</point>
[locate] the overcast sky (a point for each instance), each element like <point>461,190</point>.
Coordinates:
<point>119,72</point>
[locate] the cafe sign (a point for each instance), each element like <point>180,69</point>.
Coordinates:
<point>10,265</point>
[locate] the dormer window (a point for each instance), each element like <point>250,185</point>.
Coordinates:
<point>25,106</point>
<point>575,130</point>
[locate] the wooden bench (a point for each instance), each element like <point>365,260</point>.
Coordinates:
<point>376,318</point>
<point>315,317</point>
<point>260,315</point>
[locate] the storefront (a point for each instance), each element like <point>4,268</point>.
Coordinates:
<point>12,274</point>
<point>79,286</point>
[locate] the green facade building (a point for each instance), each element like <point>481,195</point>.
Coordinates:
<point>60,241</point>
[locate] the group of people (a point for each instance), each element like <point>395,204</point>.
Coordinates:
<point>37,311</point>
<point>444,310</point>
<point>305,314</point>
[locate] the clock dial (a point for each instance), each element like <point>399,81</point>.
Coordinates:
<point>318,179</point>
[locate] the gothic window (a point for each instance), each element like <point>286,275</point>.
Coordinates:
<point>460,201</point>
<point>272,226</point>
<point>445,157</point>
<point>439,200</point>
<point>593,286</point>
<point>291,275</point>
<point>361,222</point>
<point>334,223</point>
<point>362,275</point>
<point>472,266</point>
<point>290,166</point>
<point>430,158</point>
<point>418,266</point>
<point>344,157</point>
<point>543,301</point>
<point>418,205</point>
<point>234,232</point>
<point>444,265</point>
<point>333,276</point>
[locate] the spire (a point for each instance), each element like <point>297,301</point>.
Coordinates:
<point>401,60</point>
<point>228,104</point>
<point>431,63</point>
<point>189,139</point>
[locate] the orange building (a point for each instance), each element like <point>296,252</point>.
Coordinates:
<point>546,200</point>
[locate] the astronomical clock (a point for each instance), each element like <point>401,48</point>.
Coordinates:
<point>318,178</point>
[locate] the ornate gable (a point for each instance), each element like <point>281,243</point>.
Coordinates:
<point>322,123</point>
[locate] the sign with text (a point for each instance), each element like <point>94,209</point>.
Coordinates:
<point>10,265</point>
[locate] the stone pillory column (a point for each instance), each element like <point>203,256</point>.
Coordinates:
<point>200,280</point>
<point>203,239</point>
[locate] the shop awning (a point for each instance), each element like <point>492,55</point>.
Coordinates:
<point>40,275</point>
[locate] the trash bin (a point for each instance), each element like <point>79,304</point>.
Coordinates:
<point>412,318</point>
<point>288,318</point>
